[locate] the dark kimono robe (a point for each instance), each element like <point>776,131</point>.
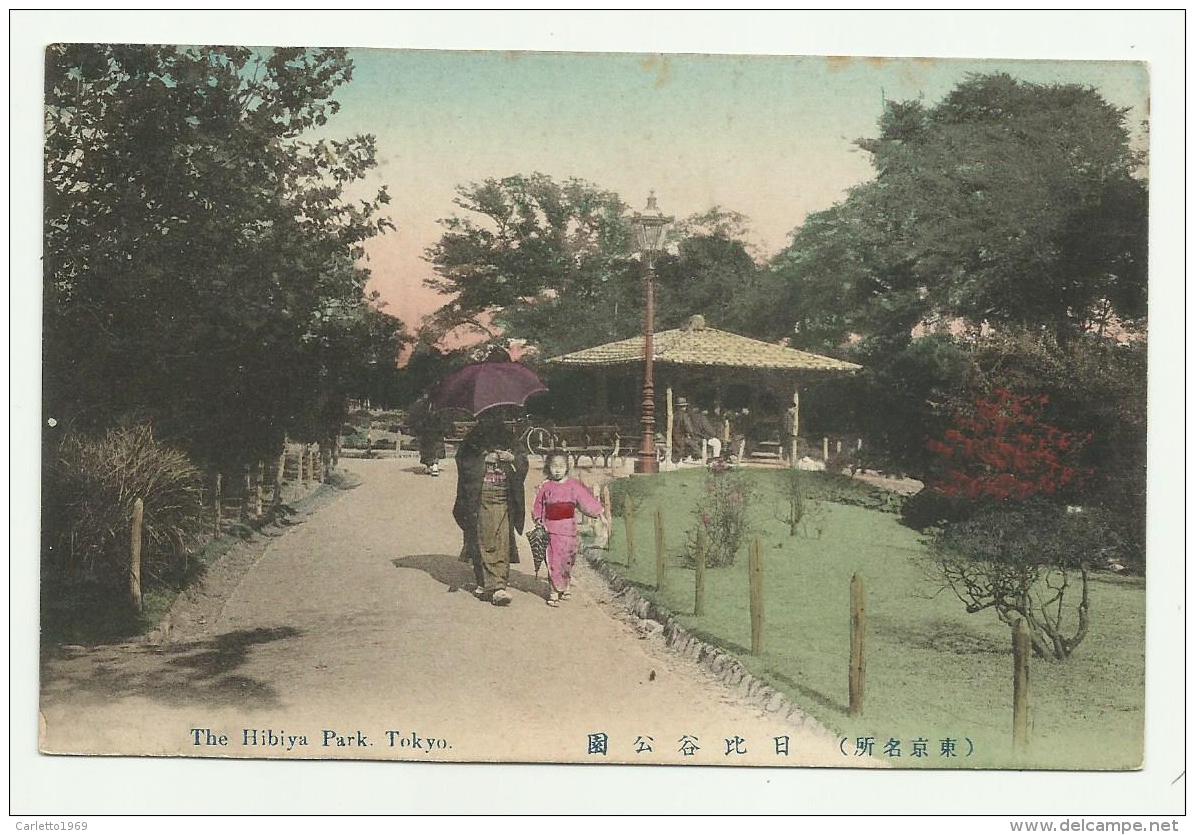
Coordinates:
<point>470,470</point>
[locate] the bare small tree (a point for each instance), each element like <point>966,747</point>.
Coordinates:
<point>1027,562</point>
<point>801,513</point>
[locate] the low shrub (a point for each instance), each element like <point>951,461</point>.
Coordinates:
<point>357,440</point>
<point>91,485</point>
<point>1028,561</point>
<point>721,514</point>
<point>932,508</point>
<point>841,489</point>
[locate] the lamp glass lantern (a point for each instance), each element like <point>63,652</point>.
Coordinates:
<point>649,227</point>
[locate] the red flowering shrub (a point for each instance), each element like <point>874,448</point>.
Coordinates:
<point>1002,449</point>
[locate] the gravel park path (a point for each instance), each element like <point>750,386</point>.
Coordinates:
<point>354,635</point>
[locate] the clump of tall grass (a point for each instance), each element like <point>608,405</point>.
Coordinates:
<point>91,485</point>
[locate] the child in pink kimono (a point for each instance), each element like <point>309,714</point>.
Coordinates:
<point>556,503</point>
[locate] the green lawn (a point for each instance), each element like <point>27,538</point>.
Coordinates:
<point>933,670</point>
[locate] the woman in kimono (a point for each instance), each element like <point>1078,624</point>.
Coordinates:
<point>490,508</point>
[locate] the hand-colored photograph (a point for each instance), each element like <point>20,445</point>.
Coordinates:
<point>686,409</point>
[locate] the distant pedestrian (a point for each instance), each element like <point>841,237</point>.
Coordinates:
<point>555,507</point>
<point>490,507</point>
<point>429,425</point>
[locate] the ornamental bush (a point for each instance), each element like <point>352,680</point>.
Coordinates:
<point>1002,449</point>
<point>1028,561</point>
<point>91,485</point>
<point>721,513</point>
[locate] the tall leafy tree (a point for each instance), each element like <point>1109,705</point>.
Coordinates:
<point>714,272</point>
<point>1008,202</point>
<point>536,258</point>
<point>552,262</point>
<point>198,247</point>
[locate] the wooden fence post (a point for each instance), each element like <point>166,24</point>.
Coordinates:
<point>858,631</point>
<point>628,517</point>
<point>135,555</point>
<point>259,478</point>
<point>659,550</point>
<point>755,578</point>
<point>1020,686</point>
<point>280,477</point>
<point>699,586</point>
<point>247,492</point>
<point>325,459</point>
<point>304,475</point>
<point>825,448</point>
<point>605,497</point>
<point>219,495</point>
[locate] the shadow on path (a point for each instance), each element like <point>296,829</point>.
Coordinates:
<point>448,570</point>
<point>192,672</point>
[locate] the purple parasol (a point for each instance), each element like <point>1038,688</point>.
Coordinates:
<point>495,382</point>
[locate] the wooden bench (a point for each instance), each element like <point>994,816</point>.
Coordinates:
<point>598,441</point>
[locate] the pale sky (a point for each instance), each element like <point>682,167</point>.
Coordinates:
<point>771,137</point>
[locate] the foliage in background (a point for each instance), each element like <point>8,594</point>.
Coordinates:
<point>91,484</point>
<point>1098,388</point>
<point>1011,203</point>
<point>200,253</point>
<point>552,263</point>
<point>549,261</point>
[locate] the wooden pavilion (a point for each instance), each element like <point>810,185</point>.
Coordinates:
<point>697,356</point>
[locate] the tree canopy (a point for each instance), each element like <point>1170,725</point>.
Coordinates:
<point>1007,202</point>
<point>552,262</point>
<point>200,252</point>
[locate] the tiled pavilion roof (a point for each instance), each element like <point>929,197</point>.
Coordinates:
<point>697,345</point>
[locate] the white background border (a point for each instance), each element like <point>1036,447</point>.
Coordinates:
<point>81,786</point>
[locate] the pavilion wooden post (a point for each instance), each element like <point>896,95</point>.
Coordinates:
<point>668,411</point>
<point>794,429</point>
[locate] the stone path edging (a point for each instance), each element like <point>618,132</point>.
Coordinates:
<point>724,665</point>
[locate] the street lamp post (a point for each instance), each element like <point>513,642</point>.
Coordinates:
<point>649,237</point>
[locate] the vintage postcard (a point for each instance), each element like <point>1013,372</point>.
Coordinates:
<point>607,408</point>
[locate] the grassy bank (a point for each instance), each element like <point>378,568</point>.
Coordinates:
<point>933,671</point>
